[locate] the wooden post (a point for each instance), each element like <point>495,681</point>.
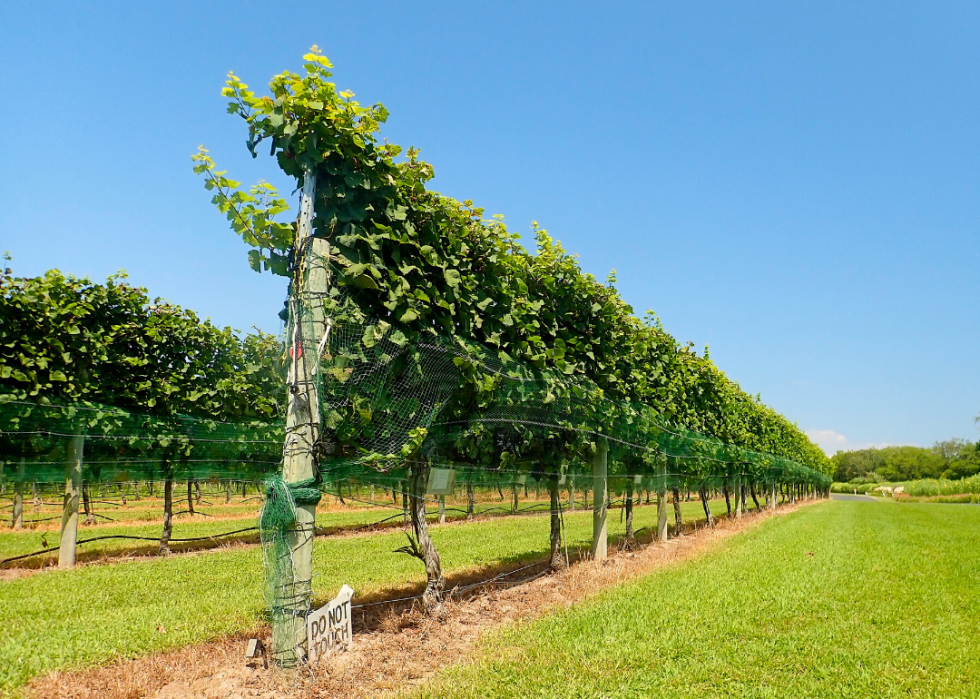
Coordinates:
<point>73,489</point>
<point>18,518</point>
<point>557,560</point>
<point>168,515</point>
<point>17,522</point>
<point>442,509</point>
<point>738,498</point>
<point>302,419</point>
<point>662,504</point>
<point>600,484</point>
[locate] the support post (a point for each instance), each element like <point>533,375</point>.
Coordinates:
<point>442,509</point>
<point>18,516</point>
<point>168,514</point>
<point>662,504</point>
<point>600,536</point>
<point>739,503</point>
<point>73,489</point>
<point>302,424</point>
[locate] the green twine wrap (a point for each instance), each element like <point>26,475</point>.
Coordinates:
<point>286,596</point>
<point>281,498</point>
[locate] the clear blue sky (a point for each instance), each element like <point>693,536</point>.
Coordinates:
<point>794,184</point>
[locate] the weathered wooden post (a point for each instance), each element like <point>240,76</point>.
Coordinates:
<point>17,521</point>
<point>442,509</point>
<point>168,514</point>
<point>302,423</point>
<point>600,485</point>
<point>73,489</point>
<point>662,503</point>
<point>739,503</point>
<point>557,560</point>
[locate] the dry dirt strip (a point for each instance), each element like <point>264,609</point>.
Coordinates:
<point>393,650</point>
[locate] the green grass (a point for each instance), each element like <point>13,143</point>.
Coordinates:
<point>93,614</point>
<point>842,599</point>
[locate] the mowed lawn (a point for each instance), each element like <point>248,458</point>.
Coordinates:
<point>839,599</point>
<point>63,619</point>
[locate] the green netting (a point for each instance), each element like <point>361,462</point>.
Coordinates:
<point>386,403</point>
<point>286,595</point>
<point>121,445</point>
<point>372,405</point>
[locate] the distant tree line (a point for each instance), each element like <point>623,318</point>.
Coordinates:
<point>952,459</point>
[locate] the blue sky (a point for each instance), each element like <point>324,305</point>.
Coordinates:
<point>793,184</point>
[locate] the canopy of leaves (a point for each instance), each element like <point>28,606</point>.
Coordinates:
<point>424,264</point>
<point>68,340</point>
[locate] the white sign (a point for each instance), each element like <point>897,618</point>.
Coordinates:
<point>328,629</point>
<point>441,481</point>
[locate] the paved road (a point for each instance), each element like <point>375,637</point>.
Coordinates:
<point>861,498</point>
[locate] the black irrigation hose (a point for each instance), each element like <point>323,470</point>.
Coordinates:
<point>368,526</point>
<point>188,512</point>
<point>46,519</point>
<point>52,549</point>
<point>249,529</point>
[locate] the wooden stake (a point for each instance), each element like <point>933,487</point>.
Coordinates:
<point>73,489</point>
<point>662,504</point>
<point>303,416</point>
<point>600,485</point>
<point>18,518</point>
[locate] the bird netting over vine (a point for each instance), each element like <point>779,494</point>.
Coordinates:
<point>122,445</point>
<point>386,402</point>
